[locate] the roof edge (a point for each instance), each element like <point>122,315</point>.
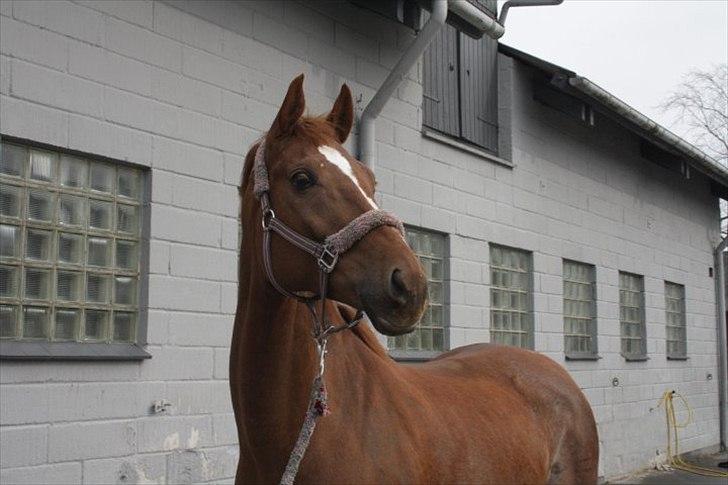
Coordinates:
<point>703,162</point>
<point>533,60</point>
<point>690,151</point>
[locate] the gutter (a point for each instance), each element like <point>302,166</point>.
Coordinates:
<point>720,278</point>
<point>467,11</point>
<point>475,17</point>
<point>696,156</point>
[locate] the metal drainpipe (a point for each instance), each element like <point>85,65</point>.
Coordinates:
<point>523,3</point>
<point>471,14</point>
<point>367,137</point>
<point>722,350</point>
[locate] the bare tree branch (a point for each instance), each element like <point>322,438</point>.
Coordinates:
<point>700,102</point>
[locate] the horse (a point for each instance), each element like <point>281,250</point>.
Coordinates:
<point>481,413</point>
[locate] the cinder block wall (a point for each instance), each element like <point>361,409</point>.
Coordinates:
<point>587,195</point>
<point>185,87</point>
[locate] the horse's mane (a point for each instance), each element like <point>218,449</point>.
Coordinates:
<point>361,331</point>
<point>366,335</point>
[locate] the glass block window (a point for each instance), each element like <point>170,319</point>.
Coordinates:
<point>429,336</point>
<point>69,247</point>
<point>675,320</point>
<point>580,325</point>
<point>511,318</point>
<point>632,315</point>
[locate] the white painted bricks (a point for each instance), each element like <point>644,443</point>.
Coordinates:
<point>183,88</point>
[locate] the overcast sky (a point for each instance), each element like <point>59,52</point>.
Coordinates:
<point>635,49</point>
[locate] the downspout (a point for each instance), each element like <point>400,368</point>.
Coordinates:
<point>722,350</point>
<point>523,3</point>
<point>367,136</point>
<point>463,9</point>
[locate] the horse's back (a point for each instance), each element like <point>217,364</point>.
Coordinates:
<point>535,394</point>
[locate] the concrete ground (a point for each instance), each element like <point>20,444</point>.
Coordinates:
<point>679,477</point>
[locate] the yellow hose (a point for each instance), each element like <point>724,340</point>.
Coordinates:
<point>672,426</point>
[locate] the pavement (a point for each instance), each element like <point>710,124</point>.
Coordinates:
<point>679,477</point>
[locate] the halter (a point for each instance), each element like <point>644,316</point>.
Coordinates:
<point>327,255</point>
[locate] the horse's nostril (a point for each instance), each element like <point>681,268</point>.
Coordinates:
<point>398,288</point>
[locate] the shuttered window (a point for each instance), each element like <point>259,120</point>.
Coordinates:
<point>461,86</point>
<point>632,316</point>
<point>70,253</point>
<point>675,320</point>
<point>580,332</point>
<point>511,318</point>
<point>429,335</point>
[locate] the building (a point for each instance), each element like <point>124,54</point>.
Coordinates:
<point>545,216</point>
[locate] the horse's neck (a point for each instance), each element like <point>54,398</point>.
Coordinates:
<point>274,360</point>
<point>272,355</point>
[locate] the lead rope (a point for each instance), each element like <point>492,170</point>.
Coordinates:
<point>317,402</point>
<point>317,407</point>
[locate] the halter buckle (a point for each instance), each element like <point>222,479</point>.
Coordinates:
<point>328,260</point>
<point>268,216</point>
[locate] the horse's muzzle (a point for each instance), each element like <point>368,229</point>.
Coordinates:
<point>396,307</point>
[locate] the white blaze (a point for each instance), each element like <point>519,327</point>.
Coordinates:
<point>336,158</point>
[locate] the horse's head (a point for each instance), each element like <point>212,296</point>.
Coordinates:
<point>316,188</point>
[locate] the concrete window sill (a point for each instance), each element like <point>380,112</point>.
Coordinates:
<point>635,358</point>
<point>57,351</point>
<point>466,147</point>
<point>582,357</point>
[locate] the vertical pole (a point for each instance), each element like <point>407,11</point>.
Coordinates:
<point>721,332</point>
<point>367,137</point>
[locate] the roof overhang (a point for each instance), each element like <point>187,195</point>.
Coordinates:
<point>471,17</point>
<point>620,112</point>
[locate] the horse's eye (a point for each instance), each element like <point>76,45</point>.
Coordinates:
<point>301,180</point>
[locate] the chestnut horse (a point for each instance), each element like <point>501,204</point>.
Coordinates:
<point>477,414</point>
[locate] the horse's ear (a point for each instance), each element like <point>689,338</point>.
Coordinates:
<point>342,114</point>
<point>291,109</point>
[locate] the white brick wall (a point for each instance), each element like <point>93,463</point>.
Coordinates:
<point>184,88</point>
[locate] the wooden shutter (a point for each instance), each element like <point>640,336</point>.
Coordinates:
<point>440,97</point>
<point>479,91</point>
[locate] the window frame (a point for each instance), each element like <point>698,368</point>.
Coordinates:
<point>683,314</point>
<point>424,355</point>
<point>531,334</point>
<point>593,321</point>
<point>74,350</point>
<point>642,355</point>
